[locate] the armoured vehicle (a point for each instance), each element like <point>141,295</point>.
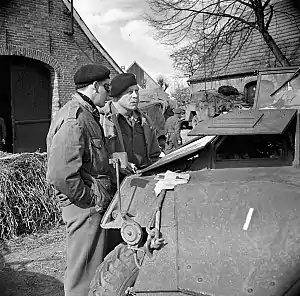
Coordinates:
<point>155,103</point>
<point>210,103</point>
<point>231,225</point>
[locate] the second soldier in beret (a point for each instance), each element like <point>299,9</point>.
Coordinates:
<point>133,130</point>
<point>127,129</point>
<point>78,169</point>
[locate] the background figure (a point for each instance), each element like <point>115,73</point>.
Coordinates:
<point>2,134</point>
<point>172,127</point>
<point>78,169</point>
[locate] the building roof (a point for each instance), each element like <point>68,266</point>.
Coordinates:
<point>153,94</point>
<point>135,62</point>
<point>255,53</point>
<point>92,38</point>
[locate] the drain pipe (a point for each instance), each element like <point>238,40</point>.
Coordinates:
<point>71,32</point>
<point>72,18</point>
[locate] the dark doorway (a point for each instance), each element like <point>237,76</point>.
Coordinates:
<point>249,90</point>
<point>5,102</point>
<point>25,103</point>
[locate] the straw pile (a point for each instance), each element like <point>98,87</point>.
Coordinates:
<point>27,202</point>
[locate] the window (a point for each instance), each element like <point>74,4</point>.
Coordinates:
<point>287,97</point>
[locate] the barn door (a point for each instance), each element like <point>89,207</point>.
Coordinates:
<point>31,111</point>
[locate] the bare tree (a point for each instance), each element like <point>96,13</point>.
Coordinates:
<point>187,59</point>
<point>208,26</point>
<point>182,96</point>
<point>162,82</point>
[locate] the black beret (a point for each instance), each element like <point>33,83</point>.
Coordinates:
<point>90,73</point>
<point>121,82</point>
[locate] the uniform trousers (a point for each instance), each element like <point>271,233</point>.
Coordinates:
<point>85,248</point>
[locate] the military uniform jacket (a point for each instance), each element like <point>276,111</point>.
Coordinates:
<point>76,152</point>
<point>111,134</point>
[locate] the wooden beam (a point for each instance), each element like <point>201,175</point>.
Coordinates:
<point>296,162</point>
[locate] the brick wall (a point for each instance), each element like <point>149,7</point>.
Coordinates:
<point>35,29</point>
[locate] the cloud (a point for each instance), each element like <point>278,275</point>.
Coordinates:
<point>127,38</point>
<point>140,35</point>
<point>115,15</point>
<point>97,7</point>
<point>93,22</point>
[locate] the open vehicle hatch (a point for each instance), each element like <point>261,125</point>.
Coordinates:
<point>246,122</point>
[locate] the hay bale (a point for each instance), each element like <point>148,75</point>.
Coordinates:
<point>4,154</point>
<point>27,202</point>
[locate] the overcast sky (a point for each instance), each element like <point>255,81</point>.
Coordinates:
<point>120,29</point>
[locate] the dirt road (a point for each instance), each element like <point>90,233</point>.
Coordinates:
<point>33,265</point>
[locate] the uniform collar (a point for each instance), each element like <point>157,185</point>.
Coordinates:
<point>87,103</point>
<point>109,109</point>
<point>136,114</point>
<point>87,100</point>
<point>82,102</point>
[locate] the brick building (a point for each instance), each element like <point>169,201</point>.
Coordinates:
<point>42,44</point>
<point>240,72</point>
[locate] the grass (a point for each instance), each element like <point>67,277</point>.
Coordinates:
<point>27,202</point>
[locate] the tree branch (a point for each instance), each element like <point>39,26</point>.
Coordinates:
<point>270,17</point>
<point>266,4</point>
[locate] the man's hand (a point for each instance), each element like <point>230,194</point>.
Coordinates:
<point>129,170</point>
<point>3,141</point>
<point>179,141</point>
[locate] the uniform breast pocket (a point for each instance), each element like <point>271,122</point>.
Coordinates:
<point>98,155</point>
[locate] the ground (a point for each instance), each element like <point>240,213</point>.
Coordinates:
<point>33,265</point>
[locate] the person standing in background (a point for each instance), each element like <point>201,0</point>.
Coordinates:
<point>2,134</point>
<point>172,127</point>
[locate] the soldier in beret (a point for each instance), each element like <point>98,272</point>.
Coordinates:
<point>172,127</point>
<point>78,169</point>
<point>127,129</point>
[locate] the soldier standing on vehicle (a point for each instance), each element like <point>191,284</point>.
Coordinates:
<point>79,170</point>
<point>2,134</point>
<point>126,128</point>
<point>172,127</point>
